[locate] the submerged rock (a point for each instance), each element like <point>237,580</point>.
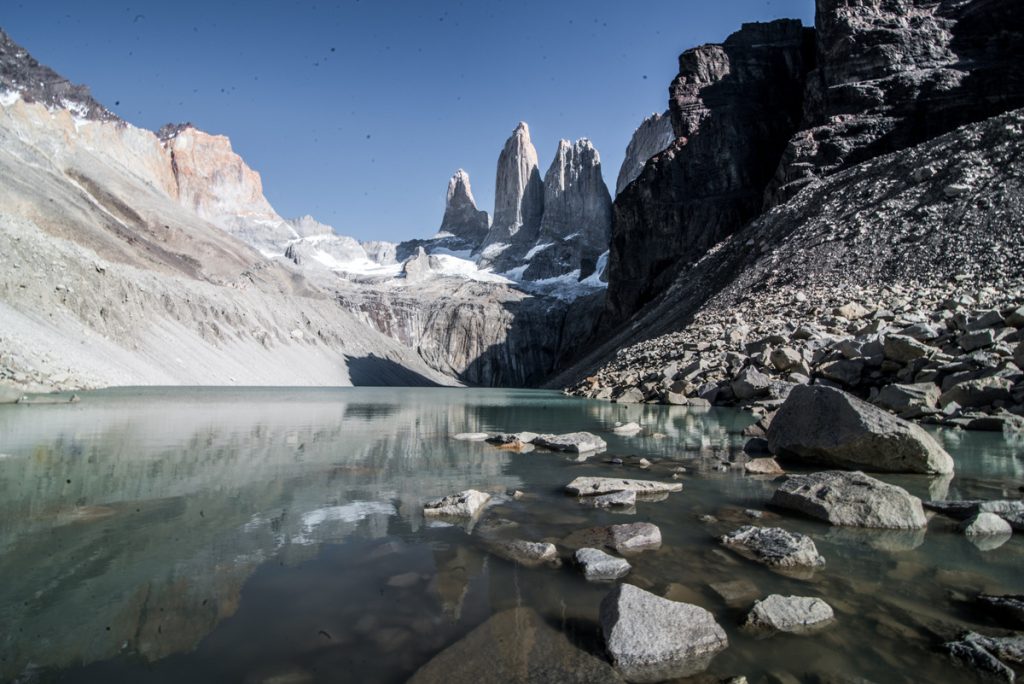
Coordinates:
<point>852,499</point>
<point>590,486</point>
<point>462,505</point>
<point>627,539</point>
<point>623,499</point>
<point>517,645</point>
<point>826,425</point>
<point>652,639</point>
<point>986,655</point>
<point>579,442</point>
<point>774,546</point>
<point>1007,610</point>
<point>525,553</point>
<point>599,566</point>
<point>794,614</point>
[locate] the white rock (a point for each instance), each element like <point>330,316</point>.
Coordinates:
<point>462,505</point>
<point>600,566</point>
<point>795,614</point>
<point>590,486</point>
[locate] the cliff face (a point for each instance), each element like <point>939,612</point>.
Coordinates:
<point>894,74</point>
<point>652,136</point>
<point>577,219</point>
<point>518,192</point>
<point>733,107</point>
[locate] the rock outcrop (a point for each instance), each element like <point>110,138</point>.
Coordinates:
<point>892,75</point>
<point>34,82</point>
<point>733,107</point>
<point>518,195</point>
<point>652,136</point>
<point>576,223</point>
<point>461,216</point>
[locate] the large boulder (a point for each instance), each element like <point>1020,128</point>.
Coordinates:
<point>517,645</point>
<point>977,392</point>
<point>850,499</point>
<point>825,425</point>
<point>651,639</point>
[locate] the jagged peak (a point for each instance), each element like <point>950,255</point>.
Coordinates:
<point>460,187</point>
<point>171,130</point>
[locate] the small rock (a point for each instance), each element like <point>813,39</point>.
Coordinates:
<point>589,486</point>
<point>627,429</point>
<point>526,553</point>
<point>579,442</point>
<point>462,505</point>
<point>471,436</point>
<point>599,566</point>
<point>774,546</point>
<point>793,614</point>
<point>986,524</point>
<point>763,466</point>
<point>624,499</point>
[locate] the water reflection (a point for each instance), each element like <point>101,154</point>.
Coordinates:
<point>247,535</point>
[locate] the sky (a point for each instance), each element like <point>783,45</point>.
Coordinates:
<point>358,112</point>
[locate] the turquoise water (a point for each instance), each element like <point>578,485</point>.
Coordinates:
<point>257,535</point>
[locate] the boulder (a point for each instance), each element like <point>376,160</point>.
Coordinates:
<point>985,524</point>
<point>750,383</point>
<point>845,371</point>
<point>977,339</point>
<point>774,546</point>
<point>850,499</point>
<point>628,539</point>
<point>899,398</point>
<point>630,396</point>
<point>977,392</point>
<point>985,655</point>
<point>579,442</point>
<point>903,348</point>
<point>651,639</point>
<point>623,499</point>
<point>1007,610</point>
<point>526,553</point>
<point>462,505</point>
<point>785,358</point>
<point>763,466</point>
<point>599,566</point>
<point>520,646</point>
<point>590,486</point>
<point>826,425</point>
<point>794,614</point>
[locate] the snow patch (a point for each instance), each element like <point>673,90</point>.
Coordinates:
<point>452,266</point>
<point>493,250</point>
<point>536,249</point>
<point>9,97</point>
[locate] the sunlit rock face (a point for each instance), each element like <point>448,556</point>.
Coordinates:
<point>461,216</point>
<point>651,137</point>
<point>220,187</point>
<point>518,191</point>
<point>577,218</point>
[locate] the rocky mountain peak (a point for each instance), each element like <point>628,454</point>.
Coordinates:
<point>34,82</point>
<point>172,130</point>
<point>652,136</point>
<point>461,216</point>
<point>518,191</point>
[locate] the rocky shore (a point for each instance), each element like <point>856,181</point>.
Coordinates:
<point>948,356</point>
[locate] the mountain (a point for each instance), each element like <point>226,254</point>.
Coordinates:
<point>828,189</point>
<point>133,257</point>
<point>652,136</point>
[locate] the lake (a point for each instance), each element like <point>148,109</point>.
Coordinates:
<point>277,535</point>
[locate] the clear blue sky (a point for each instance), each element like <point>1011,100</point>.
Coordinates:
<point>359,111</point>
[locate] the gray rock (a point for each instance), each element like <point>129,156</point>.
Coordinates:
<point>902,348</point>
<point>774,546</point>
<point>628,539</point>
<point>844,371</point>
<point>579,442</point>
<point>785,358</point>
<point>526,553</point>
<point>750,383</point>
<point>627,429</point>
<point>979,653</point>
<point>977,339</point>
<point>599,566</point>
<point>651,639</point>
<point>826,425</point>
<point>794,614</point>
<point>850,499</point>
<point>899,398</point>
<point>984,524</point>
<point>622,499</point>
<point>590,486</point>
<point>630,396</point>
<point>977,392</point>
<point>763,466</point>
<point>1007,610</point>
<point>520,646</point>
<point>462,505</point>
